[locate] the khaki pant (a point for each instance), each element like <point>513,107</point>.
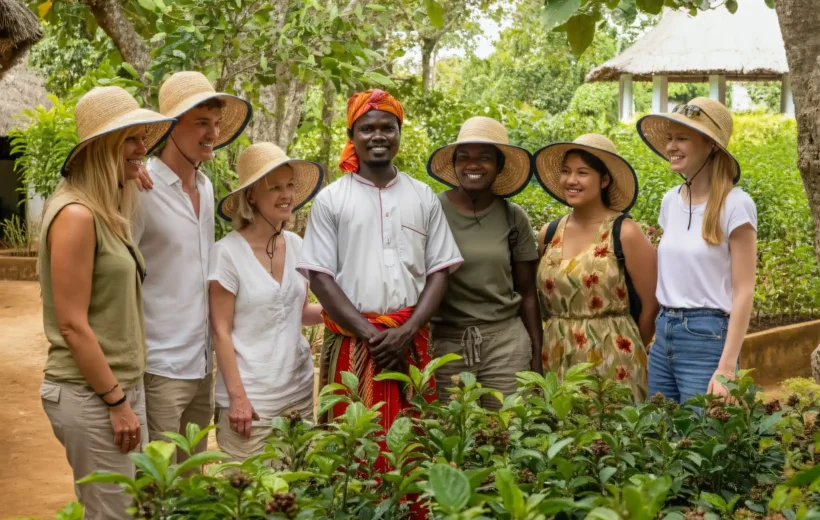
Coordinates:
<point>172,404</point>
<point>493,352</point>
<point>240,448</point>
<point>81,422</point>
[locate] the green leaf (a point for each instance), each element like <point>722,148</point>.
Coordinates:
<point>557,12</point>
<point>351,382</point>
<point>562,406</point>
<point>606,474</point>
<point>805,478</point>
<point>180,441</point>
<point>602,513</point>
<point>398,433</point>
<point>450,486</point>
<point>715,501</point>
<point>580,32</point>
<point>650,6</point>
<point>148,5</point>
<point>130,70</point>
<point>731,5</point>
<point>104,477</point>
<point>435,12</point>
<point>158,37</point>
<point>437,363</point>
<point>511,495</point>
<point>197,460</point>
<point>558,446</point>
<point>381,79</point>
<point>770,4</point>
<point>393,376</point>
<point>179,54</point>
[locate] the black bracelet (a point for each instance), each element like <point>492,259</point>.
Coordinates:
<point>108,392</point>
<point>112,405</point>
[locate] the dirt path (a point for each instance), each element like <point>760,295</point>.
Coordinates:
<point>35,478</point>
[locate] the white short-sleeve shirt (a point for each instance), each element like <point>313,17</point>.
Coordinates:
<point>691,273</point>
<point>272,355</point>
<point>380,244</point>
<point>176,243</point>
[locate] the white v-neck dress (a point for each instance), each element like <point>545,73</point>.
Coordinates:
<point>272,355</point>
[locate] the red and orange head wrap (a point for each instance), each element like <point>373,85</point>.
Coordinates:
<point>357,106</point>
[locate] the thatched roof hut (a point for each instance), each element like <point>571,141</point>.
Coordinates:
<point>21,89</point>
<point>19,30</point>
<point>713,46</point>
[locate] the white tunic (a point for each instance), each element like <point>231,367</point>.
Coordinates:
<point>272,355</point>
<point>380,244</point>
<point>175,243</point>
<point>691,273</point>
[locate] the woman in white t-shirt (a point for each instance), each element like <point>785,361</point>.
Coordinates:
<point>259,301</point>
<point>706,257</point>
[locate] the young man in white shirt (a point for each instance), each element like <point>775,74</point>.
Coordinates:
<point>175,231</point>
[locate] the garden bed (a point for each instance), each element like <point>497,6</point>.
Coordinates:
<point>18,265</point>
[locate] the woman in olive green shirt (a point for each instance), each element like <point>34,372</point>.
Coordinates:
<point>91,278</point>
<point>490,313</point>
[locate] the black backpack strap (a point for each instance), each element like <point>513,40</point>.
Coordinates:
<point>616,240</point>
<point>551,229</point>
<point>635,304</point>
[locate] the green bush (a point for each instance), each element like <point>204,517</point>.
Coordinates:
<point>570,449</point>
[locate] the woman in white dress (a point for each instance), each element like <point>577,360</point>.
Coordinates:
<point>259,302</point>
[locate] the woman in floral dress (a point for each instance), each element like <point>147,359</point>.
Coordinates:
<point>582,286</point>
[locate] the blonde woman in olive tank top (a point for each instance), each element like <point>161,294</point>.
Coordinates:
<point>91,278</point>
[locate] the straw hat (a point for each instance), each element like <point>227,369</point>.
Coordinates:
<point>258,160</point>
<point>185,90</point>
<point>104,110</point>
<point>713,120</point>
<point>484,130</point>
<point>623,189</point>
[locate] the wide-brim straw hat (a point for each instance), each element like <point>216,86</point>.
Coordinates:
<point>185,90</point>
<point>623,188</point>
<point>260,159</point>
<point>484,130</point>
<point>104,110</point>
<point>715,122</point>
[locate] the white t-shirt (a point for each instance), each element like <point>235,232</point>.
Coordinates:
<point>272,355</point>
<point>691,273</point>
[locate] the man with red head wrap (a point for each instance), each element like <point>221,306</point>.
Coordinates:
<point>377,252</point>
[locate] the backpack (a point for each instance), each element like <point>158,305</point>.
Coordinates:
<point>634,301</point>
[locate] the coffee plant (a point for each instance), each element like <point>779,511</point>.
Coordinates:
<point>570,449</point>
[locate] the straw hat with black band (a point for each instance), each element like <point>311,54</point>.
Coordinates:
<point>513,177</point>
<point>185,90</point>
<point>623,187</point>
<point>258,160</point>
<point>104,110</point>
<point>703,115</point>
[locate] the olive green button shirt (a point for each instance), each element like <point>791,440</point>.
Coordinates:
<point>114,312</point>
<point>481,290</point>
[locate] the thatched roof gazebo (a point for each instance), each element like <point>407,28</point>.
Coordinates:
<point>21,89</point>
<point>713,46</point>
<point>19,30</point>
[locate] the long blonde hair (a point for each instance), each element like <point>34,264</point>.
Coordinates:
<point>95,177</point>
<point>724,171</point>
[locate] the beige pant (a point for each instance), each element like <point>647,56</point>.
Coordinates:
<point>82,424</point>
<point>493,352</point>
<point>172,404</point>
<point>240,448</point>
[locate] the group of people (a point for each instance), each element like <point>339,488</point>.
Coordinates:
<point>137,297</point>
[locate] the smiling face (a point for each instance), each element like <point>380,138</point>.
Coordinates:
<point>197,131</point>
<point>273,196</point>
<point>582,184</point>
<point>133,150</point>
<point>476,166</point>
<point>687,149</point>
<point>376,137</point>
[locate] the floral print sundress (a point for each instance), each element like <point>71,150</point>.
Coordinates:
<point>587,303</point>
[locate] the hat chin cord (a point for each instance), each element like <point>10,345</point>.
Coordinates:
<point>270,247</point>
<point>688,184</point>
<point>192,163</point>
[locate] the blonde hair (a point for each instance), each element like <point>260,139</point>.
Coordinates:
<point>94,179</point>
<point>724,171</point>
<point>243,216</point>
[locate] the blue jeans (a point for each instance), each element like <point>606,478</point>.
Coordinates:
<point>687,349</point>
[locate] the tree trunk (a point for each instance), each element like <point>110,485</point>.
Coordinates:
<point>428,47</point>
<point>283,103</point>
<point>799,20</point>
<point>110,15</point>
<point>326,142</point>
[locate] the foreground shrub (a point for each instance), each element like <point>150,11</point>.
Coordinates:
<point>570,449</point>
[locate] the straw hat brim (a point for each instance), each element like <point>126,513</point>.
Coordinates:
<point>653,130</point>
<point>158,129</point>
<point>307,180</point>
<point>510,181</point>
<point>623,189</point>
<point>235,115</point>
